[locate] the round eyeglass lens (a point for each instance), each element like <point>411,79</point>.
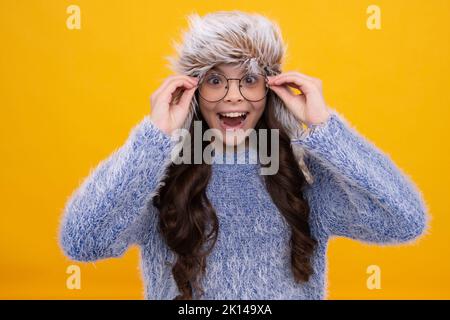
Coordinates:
<point>214,87</point>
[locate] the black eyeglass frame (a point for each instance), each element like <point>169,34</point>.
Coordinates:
<point>266,81</point>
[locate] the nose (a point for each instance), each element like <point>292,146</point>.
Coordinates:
<point>233,93</point>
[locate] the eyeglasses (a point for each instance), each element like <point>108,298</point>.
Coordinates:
<point>214,87</point>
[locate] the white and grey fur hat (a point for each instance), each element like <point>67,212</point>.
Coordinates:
<point>236,37</point>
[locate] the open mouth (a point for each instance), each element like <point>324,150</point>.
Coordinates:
<point>232,120</point>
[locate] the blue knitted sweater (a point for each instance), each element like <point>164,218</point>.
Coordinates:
<point>357,193</point>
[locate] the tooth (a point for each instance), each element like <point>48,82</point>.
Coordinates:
<point>233,114</point>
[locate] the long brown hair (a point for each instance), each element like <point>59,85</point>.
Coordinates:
<point>187,220</point>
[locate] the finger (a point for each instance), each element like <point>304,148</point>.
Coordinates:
<point>315,81</point>
<point>286,94</point>
<point>168,81</point>
<point>289,73</point>
<point>187,97</point>
<point>292,73</point>
<point>166,95</point>
<point>305,85</point>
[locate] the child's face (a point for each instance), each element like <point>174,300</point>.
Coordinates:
<point>232,102</point>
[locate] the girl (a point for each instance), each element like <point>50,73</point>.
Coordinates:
<point>222,230</point>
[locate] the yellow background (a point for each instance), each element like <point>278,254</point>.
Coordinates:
<point>70,97</point>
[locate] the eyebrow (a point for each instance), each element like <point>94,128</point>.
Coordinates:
<point>219,69</point>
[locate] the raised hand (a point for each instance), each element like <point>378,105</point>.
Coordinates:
<point>166,113</point>
<point>309,106</point>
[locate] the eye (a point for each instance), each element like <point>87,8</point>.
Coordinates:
<point>250,79</point>
<point>214,79</point>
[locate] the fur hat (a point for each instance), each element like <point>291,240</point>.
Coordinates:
<point>235,37</point>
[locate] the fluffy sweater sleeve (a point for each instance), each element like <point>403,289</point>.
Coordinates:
<point>358,192</point>
<point>111,209</point>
